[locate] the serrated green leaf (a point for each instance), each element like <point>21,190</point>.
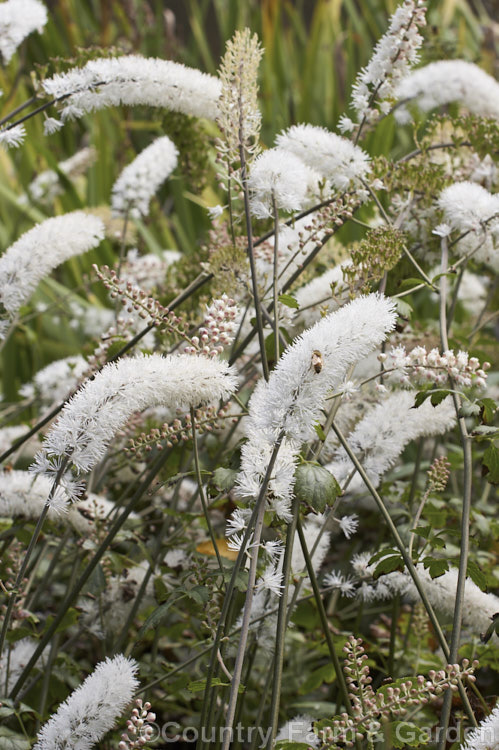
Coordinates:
<point>477,576</point>
<point>223,478</point>
<point>401,734</point>
<point>438,396</point>
<point>490,468</point>
<point>157,617</point>
<point>389,564</point>
<point>10,740</point>
<point>436,566</point>
<point>318,677</point>
<point>487,410</point>
<point>422,531</point>
<point>316,486</point>
<point>320,432</point>
<point>199,594</point>
<point>289,301</point>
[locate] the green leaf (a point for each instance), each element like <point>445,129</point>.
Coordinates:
<point>10,740</point>
<point>389,564</point>
<point>410,282</point>
<point>422,531</point>
<point>289,301</point>
<point>488,409</point>
<point>320,432</point>
<point>316,486</point>
<point>199,594</point>
<point>157,617</point>
<point>490,467</point>
<point>70,618</point>
<point>317,678</point>
<point>476,575</point>
<point>493,628</point>
<point>436,566</point>
<point>224,479</point>
<point>405,734</point>
<point>438,396</point>
<point>404,309</point>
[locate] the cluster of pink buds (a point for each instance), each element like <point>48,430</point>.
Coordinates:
<point>420,367</point>
<point>139,731</point>
<point>370,709</point>
<point>218,329</point>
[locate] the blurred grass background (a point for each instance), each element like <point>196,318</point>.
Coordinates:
<point>313,51</point>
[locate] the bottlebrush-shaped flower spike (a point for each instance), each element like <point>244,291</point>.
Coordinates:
<point>18,19</point>
<point>141,179</point>
<point>40,250</point>
<point>103,405</point>
<point>134,80</point>
<point>446,81</point>
<point>92,709</point>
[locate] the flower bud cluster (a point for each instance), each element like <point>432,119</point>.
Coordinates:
<point>206,419</point>
<point>438,474</point>
<point>420,367</point>
<point>139,731</point>
<point>370,709</point>
<point>218,329</point>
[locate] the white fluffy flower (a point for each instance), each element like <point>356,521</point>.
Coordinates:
<point>18,19</point>
<point>40,250</point>
<point>349,525</point>
<point>280,174</point>
<point>319,293</point>
<point>92,709</point>
<point>147,271</point>
<point>478,607</point>
<point>47,184</point>
<point>344,584</point>
<point>485,736</point>
<point>89,421</point>
<point>469,207</point>
<point>54,382</point>
<point>331,156</point>
<point>299,729</point>
<point>394,54</point>
<point>292,399</point>
<point>12,137</point>
<point>135,80</point>
<point>447,81</point>
<point>141,179</point>
<point>17,655</point>
<point>24,495</point>
<point>381,436</point>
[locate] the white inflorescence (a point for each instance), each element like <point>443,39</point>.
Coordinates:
<point>55,382</point>
<point>478,606</point>
<point>468,207</point>
<point>292,400</point>
<point>277,175</point>
<point>12,137</point>
<point>486,735</point>
<point>331,156</point>
<point>18,19</point>
<point>103,405</point>
<point>141,179</point>
<point>135,80</point>
<point>40,250</point>
<point>381,436</point>
<point>24,495</point>
<point>92,709</point>
<point>446,81</point>
<point>394,54</point>
<point>47,184</point>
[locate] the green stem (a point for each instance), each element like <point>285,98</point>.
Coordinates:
<point>282,619</point>
<point>407,560</point>
<point>73,594</point>
<point>323,617</point>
